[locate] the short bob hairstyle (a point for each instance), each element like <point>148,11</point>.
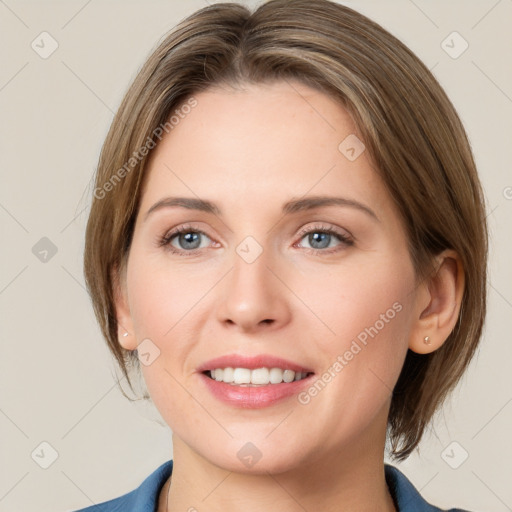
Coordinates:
<point>414,137</point>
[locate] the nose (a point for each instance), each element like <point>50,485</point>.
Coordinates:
<point>253,299</point>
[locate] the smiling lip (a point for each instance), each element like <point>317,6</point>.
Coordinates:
<point>253,397</point>
<point>252,362</point>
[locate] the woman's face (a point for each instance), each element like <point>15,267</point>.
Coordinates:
<point>269,273</point>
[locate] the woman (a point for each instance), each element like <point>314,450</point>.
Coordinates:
<point>288,232</point>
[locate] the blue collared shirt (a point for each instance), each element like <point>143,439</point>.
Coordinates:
<point>145,497</point>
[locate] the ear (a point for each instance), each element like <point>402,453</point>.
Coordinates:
<point>438,303</point>
<point>125,331</point>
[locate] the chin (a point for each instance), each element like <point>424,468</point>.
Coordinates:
<point>254,459</point>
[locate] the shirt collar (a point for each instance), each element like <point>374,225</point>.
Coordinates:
<point>405,495</point>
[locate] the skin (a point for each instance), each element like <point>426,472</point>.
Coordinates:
<point>250,150</point>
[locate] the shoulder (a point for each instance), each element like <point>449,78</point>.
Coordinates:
<point>407,498</point>
<point>142,499</point>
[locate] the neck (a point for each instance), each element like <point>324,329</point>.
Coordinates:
<point>337,481</point>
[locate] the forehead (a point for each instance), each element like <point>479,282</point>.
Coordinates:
<point>265,141</point>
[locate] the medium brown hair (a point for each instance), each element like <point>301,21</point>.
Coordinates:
<point>410,128</point>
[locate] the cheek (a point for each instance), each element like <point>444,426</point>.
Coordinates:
<point>365,315</point>
<point>166,304</point>
<point>161,295</point>
<point>350,298</point>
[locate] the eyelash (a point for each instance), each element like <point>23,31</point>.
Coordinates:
<point>165,241</point>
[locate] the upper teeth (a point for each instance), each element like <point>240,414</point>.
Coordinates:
<point>256,376</point>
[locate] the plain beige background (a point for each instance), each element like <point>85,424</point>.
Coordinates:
<point>57,378</point>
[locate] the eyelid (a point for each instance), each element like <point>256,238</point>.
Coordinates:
<point>319,226</point>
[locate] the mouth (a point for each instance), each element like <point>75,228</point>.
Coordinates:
<point>247,377</point>
<point>254,382</point>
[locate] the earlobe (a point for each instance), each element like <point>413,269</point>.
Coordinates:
<point>125,332</point>
<point>438,304</point>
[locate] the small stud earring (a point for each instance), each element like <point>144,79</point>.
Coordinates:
<point>125,334</point>
<point>426,340</point>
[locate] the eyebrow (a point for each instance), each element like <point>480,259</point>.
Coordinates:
<point>290,207</point>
